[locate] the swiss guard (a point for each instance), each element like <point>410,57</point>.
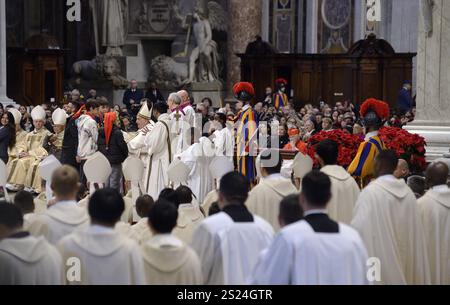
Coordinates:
<point>374,113</point>
<point>280,98</point>
<point>246,129</point>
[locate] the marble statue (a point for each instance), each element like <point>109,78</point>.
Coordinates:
<point>111,71</point>
<point>110,25</point>
<point>427,13</point>
<point>204,58</point>
<point>99,69</point>
<point>168,73</point>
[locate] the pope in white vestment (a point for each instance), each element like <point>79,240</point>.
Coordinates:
<point>28,260</point>
<point>136,142</point>
<point>168,261</point>
<point>434,209</point>
<point>264,200</point>
<point>159,151</point>
<point>107,257</point>
<point>345,192</point>
<point>387,218</point>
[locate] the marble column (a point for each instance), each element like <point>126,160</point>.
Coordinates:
<point>3,98</point>
<point>245,18</point>
<point>433,82</point>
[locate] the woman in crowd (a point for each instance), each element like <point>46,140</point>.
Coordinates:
<point>7,135</point>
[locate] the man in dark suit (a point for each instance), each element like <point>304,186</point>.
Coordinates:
<point>132,98</point>
<point>70,141</point>
<point>154,95</point>
<point>405,101</point>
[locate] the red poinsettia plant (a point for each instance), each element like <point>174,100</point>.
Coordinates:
<point>348,145</point>
<point>408,146</point>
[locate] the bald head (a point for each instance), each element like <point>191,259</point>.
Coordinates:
<point>184,95</point>
<point>402,170</point>
<point>437,174</point>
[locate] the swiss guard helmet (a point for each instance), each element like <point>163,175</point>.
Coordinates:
<point>244,92</point>
<point>374,113</point>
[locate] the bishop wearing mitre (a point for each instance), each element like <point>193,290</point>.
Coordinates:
<point>136,143</point>
<point>23,170</point>
<point>21,134</point>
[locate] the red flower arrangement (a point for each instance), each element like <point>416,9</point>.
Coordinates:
<point>348,145</point>
<point>408,146</point>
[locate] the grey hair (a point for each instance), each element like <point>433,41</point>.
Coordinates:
<point>174,97</point>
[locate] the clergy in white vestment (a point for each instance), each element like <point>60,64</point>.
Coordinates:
<point>316,250</point>
<point>136,144</point>
<point>13,152</point>
<point>24,259</point>
<point>177,123</point>
<point>223,137</point>
<point>230,242</point>
<point>140,231</point>
<point>189,215</point>
<point>23,170</point>
<point>106,256</point>
<point>25,202</point>
<point>344,189</point>
<point>65,216</point>
<point>158,143</point>
<point>290,212</point>
<point>167,259</point>
<point>387,218</point>
<point>186,108</point>
<point>212,197</point>
<point>264,199</point>
<point>198,157</point>
<point>434,208</point>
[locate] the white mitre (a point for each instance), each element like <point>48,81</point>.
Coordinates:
<point>38,113</point>
<point>59,117</point>
<point>16,114</point>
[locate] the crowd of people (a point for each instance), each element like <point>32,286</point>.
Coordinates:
<point>168,192</point>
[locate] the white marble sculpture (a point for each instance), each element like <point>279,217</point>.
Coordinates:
<point>110,25</point>
<point>204,58</point>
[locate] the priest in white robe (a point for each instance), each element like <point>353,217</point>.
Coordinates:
<point>186,108</point>
<point>23,170</point>
<point>189,215</point>
<point>140,231</point>
<point>177,123</point>
<point>316,250</point>
<point>387,218</point>
<point>230,242</point>
<point>223,137</point>
<point>65,216</point>
<point>198,158</point>
<point>24,259</point>
<point>106,256</point>
<point>167,260</point>
<point>434,208</point>
<point>158,142</point>
<point>264,200</point>
<point>136,143</point>
<point>344,189</point>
